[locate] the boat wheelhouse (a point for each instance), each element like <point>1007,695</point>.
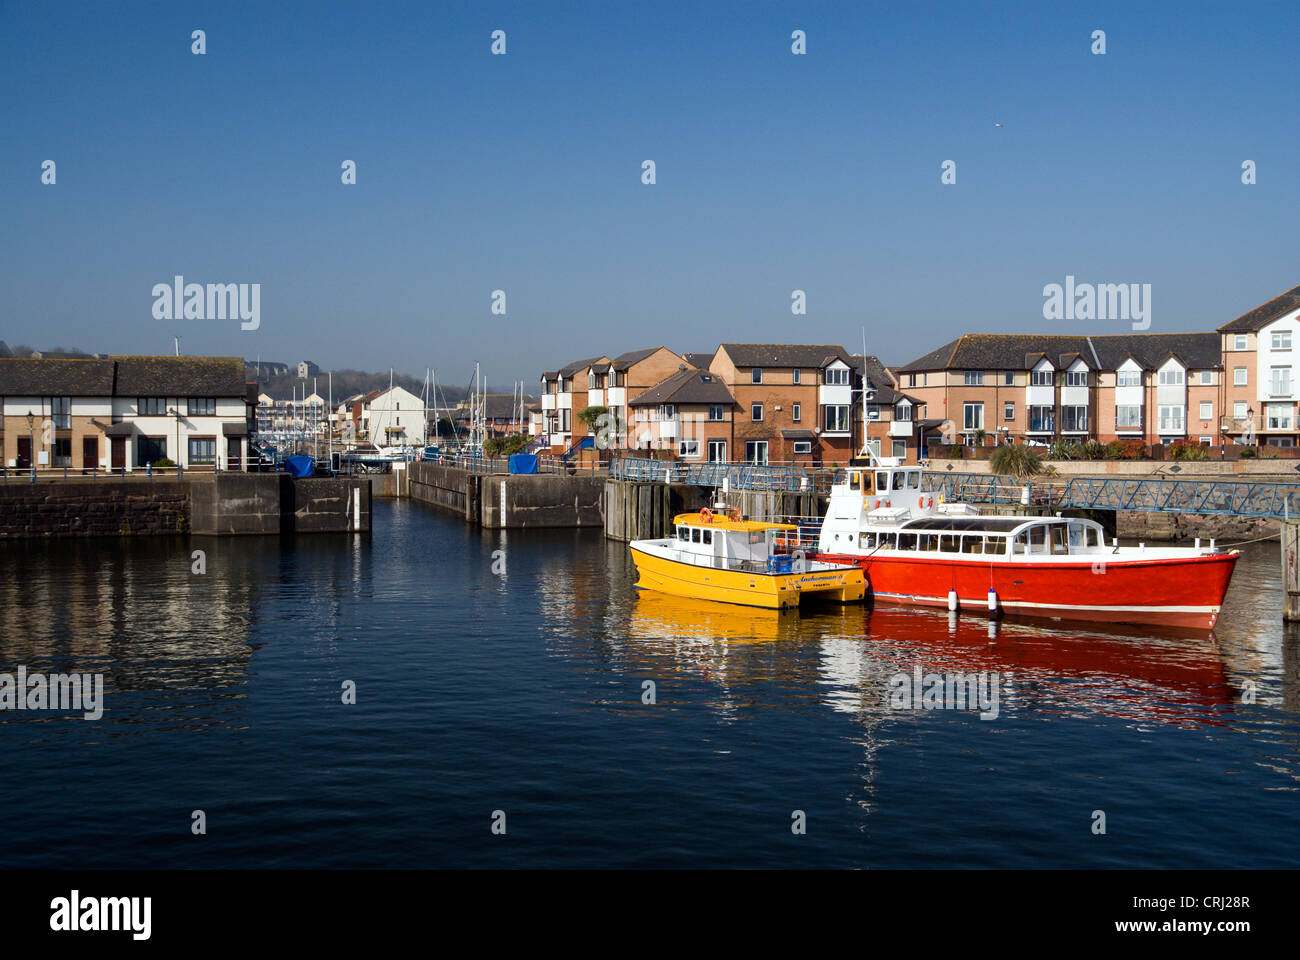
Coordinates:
<point>733,560</point>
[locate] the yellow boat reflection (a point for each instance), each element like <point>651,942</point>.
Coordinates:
<point>664,615</point>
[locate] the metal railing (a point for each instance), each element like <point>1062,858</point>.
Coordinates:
<point>1237,498</point>
<point>739,476</point>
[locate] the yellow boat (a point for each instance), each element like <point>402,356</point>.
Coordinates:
<point>730,560</point>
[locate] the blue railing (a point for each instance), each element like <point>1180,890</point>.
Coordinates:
<point>1238,498</point>
<point>739,476</point>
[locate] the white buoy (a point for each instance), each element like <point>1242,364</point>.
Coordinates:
<point>952,600</point>
<point>993,600</point>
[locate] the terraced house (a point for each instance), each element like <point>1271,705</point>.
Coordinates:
<point>1037,388</point>
<point>122,413</point>
<point>1260,366</point>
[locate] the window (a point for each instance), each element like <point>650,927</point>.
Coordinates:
<point>1239,410</point>
<point>668,411</point>
<point>717,450</point>
<point>1171,419</point>
<point>1281,340</point>
<point>837,376</point>
<point>972,416</point>
<point>1009,378</point>
<point>1279,384</point>
<point>1128,417</point>
<point>1207,378</point>
<point>973,378</point>
<point>565,420</point>
<point>1076,378</point>
<point>151,406</point>
<point>1042,419</point>
<point>899,449</point>
<point>1171,377</point>
<point>1207,410</point>
<point>715,412</point>
<point>1074,419</point>
<point>591,379</point>
<point>803,446</point>
<point>756,412</point>
<point>756,451</point>
<point>873,411</point>
<point>837,418</point>
<point>201,407</point>
<point>1239,342</point>
<point>794,375</point>
<point>1238,376</point>
<point>756,375</point>
<point>1008,411</point>
<point>62,452</point>
<point>688,448</point>
<point>1205,441</point>
<point>1279,416</point>
<point>203,451</point>
<point>796,411</point>
<point>1041,378</point>
<point>911,379</point>
<point>903,412</point>
<point>61,411</point>
<point>707,536</point>
<point>1128,378</point>
<point>149,449</point>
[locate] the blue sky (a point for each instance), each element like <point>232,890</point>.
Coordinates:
<point>522,172</point>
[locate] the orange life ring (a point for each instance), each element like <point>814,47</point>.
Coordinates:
<point>920,502</point>
<point>877,504</point>
<point>706,515</point>
<point>735,513</point>
<point>932,501</point>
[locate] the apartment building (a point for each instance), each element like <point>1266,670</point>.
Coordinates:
<point>888,418</point>
<point>566,393</point>
<point>1037,388</point>
<point>123,413</point>
<point>631,374</point>
<point>690,413</point>
<point>1261,371</point>
<point>794,401</point>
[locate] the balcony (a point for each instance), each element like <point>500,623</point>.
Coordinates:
<point>669,429</point>
<point>901,428</point>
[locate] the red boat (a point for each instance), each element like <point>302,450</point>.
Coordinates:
<point>916,550</point>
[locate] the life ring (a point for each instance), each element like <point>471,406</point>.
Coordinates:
<point>706,515</point>
<point>877,504</point>
<point>932,501</point>
<point>734,513</point>
<point>920,502</point>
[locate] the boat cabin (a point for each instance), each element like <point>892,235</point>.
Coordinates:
<point>1010,537</point>
<point>875,481</point>
<point>719,540</point>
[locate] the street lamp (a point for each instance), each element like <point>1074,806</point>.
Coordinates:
<point>177,413</point>
<point>31,442</point>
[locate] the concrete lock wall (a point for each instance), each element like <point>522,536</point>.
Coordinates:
<point>327,504</point>
<point>93,508</point>
<point>270,503</point>
<point>451,488</point>
<point>518,501</point>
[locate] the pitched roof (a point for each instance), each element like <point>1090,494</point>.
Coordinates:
<point>625,360</point>
<point>124,377</point>
<point>700,361</point>
<point>686,386</point>
<point>577,365</point>
<point>784,354</point>
<point>1015,351</point>
<point>1265,313</point>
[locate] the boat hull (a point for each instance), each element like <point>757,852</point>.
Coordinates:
<point>1183,592</point>
<point>773,591</point>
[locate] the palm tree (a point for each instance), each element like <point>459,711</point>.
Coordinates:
<point>1016,460</point>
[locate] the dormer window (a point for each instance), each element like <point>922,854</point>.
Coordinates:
<point>837,376</point>
<point>1076,378</point>
<point>1041,377</point>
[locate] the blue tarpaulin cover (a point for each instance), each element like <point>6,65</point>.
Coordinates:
<point>523,463</point>
<point>299,466</point>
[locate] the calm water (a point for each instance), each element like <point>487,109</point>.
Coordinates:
<point>522,692</point>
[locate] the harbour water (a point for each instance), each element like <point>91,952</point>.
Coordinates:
<point>507,671</point>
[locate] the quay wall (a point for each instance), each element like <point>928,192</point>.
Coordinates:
<point>508,501</point>
<point>645,511</point>
<point>213,504</point>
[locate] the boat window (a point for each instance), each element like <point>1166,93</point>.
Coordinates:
<point>841,476</point>
<point>913,479</point>
<point>1038,539</point>
<point>907,541</point>
<point>1094,537</point>
<point>972,543</point>
<point>995,544</point>
<point>695,535</point>
<point>756,536</point>
<point>1076,535</point>
<point>683,533</point>
<point>882,481</point>
<point>708,536</point>
<point>1058,538</point>
<point>1021,544</point>
<point>948,543</point>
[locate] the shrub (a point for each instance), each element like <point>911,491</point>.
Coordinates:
<point>956,451</point>
<point>1188,450</point>
<point>1094,450</point>
<point>1125,450</point>
<point>1063,450</point>
<point>164,462</point>
<point>1247,452</point>
<point>1016,461</point>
